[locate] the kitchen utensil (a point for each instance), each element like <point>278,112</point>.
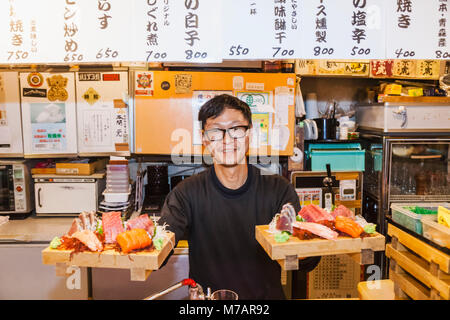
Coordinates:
<point>311,106</point>
<point>326,128</point>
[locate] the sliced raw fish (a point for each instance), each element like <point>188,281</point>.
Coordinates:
<point>317,229</point>
<point>313,213</point>
<point>286,218</point>
<point>112,225</point>
<point>89,239</point>
<point>343,211</point>
<point>141,222</point>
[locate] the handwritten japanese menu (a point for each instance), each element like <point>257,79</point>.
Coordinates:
<point>417,29</point>
<point>86,31</point>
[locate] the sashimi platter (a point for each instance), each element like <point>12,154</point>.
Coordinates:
<point>314,231</point>
<point>138,244</point>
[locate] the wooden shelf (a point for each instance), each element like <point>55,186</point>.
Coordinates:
<point>419,271</point>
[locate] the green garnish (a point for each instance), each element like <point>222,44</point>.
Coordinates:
<point>370,228</point>
<point>158,243</point>
<point>55,243</point>
<point>420,210</point>
<point>99,228</point>
<point>282,237</point>
<point>299,218</point>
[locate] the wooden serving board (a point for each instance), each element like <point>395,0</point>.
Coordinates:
<point>140,263</point>
<point>287,253</point>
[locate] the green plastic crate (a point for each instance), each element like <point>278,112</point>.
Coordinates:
<point>402,214</point>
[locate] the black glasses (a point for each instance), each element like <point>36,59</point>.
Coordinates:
<point>218,134</point>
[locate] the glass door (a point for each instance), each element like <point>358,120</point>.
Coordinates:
<point>419,170</point>
<point>5,194</point>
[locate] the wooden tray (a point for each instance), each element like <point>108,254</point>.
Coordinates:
<point>287,253</point>
<point>140,264</point>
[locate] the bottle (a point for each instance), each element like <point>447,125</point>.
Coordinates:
<point>343,133</point>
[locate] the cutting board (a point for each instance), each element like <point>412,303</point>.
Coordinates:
<point>287,253</point>
<point>140,263</point>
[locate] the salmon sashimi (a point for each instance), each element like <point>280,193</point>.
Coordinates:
<point>317,229</point>
<point>133,239</point>
<point>313,213</point>
<point>348,226</point>
<point>89,239</point>
<point>112,225</point>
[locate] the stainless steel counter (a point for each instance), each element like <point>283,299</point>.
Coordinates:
<point>34,229</point>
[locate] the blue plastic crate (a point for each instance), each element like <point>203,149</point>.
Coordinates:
<point>341,157</point>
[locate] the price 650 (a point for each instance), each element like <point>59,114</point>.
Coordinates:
<point>106,53</point>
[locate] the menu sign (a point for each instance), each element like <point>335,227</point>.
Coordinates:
<point>187,30</point>
<point>261,29</point>
<point>417,29</point>
<point>79,31</point>
<point>350,29</point>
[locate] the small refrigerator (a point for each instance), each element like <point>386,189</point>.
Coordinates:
<point>11,144</point>
<point>407,158</point>
<point>103,113</point>
<point>49,120</point>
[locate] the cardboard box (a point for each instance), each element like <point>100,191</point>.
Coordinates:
<point>76,167</point>
<point>43,171</point>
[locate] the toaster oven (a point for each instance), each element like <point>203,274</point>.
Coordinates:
<point>15,183</point>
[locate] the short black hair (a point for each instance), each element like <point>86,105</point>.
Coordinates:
<point>215,106</point>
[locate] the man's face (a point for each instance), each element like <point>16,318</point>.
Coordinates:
<point>227,151</point>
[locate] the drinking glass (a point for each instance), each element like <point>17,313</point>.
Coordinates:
<point>224,294</point>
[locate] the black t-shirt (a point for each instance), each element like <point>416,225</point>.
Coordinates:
<point>219,224</point>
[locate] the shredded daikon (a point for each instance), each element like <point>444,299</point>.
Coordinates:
<point>273,224</point>
<point>162,234</point>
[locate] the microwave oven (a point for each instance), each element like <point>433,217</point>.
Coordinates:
<point>67,195</point>
<point>15,184</point>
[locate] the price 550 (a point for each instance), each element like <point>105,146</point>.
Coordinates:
<point>238,50</point>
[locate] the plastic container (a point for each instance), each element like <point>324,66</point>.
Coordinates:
<point>116,197</point>
<point>436,232</point>
<point>410,220</point>
<point>117,189</point>
<point>341,156</point>
<point>117,167</point>
<point>117,173</point>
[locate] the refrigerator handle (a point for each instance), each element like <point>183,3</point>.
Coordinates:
<point>39,197</point>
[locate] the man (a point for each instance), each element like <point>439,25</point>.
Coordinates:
<point>220,207</point>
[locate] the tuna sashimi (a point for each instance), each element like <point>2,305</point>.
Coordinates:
<point>141,222</point>
<point>313,213</point>
<point>343,211</point>
<point>286,218</point>
<point>89,239</point>
<point>112,226</point>
<point>317,229</point>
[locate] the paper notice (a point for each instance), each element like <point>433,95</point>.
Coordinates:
<point>5,132</point>
<point>280,137</point>
<point>97,128</point>
<point>5,135</point>
<point>238,82</point>
<point>282,109</point>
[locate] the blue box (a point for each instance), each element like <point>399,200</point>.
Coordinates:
<point>340,156</point>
